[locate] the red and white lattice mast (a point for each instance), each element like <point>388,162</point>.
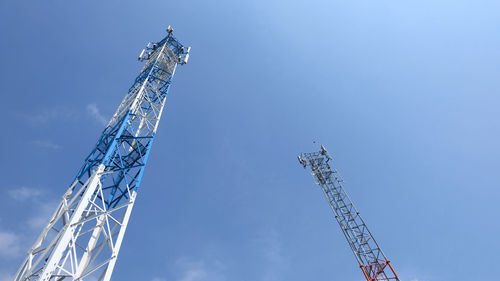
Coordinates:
<point>371,259</point>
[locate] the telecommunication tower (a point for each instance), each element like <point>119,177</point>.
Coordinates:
<point>83,236</point>
<point>371,259</point>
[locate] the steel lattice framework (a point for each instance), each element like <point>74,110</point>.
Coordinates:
<point>84,235</point>
<point>371,259</point>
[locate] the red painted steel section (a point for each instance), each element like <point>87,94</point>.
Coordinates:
<point>377,271</point>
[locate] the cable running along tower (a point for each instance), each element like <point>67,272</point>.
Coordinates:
<point>371,259</point>
<point>83,237</point>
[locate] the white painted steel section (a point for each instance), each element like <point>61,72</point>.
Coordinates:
<point>119,239</point>
<point>25,270</point>
<point>90,247</point>
<point>67,234</point>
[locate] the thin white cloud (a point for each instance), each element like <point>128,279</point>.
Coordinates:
<point>46,144</point>
<point>42,217</point>
<point>23,193</point>
<point>194,274</point>
<point>414,273</point>
<point>269,245</point>
<point>6,277</point>
<point>9,245</point>
<point>95,113</point>
<point>43,208</point>
<point>47,115</point>
<point>158,279</point>
<point>199,270</point>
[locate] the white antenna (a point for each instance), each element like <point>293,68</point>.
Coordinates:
<point>186,57</point>
<point>141,58</point>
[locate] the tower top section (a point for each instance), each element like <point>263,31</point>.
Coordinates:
<point>177,50</point>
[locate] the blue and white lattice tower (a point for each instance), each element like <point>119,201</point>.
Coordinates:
<point>84,235</point>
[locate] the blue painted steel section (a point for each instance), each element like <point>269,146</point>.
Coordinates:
<point>125,143</point>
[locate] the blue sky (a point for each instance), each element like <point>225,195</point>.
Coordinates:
<point>404,94</point>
